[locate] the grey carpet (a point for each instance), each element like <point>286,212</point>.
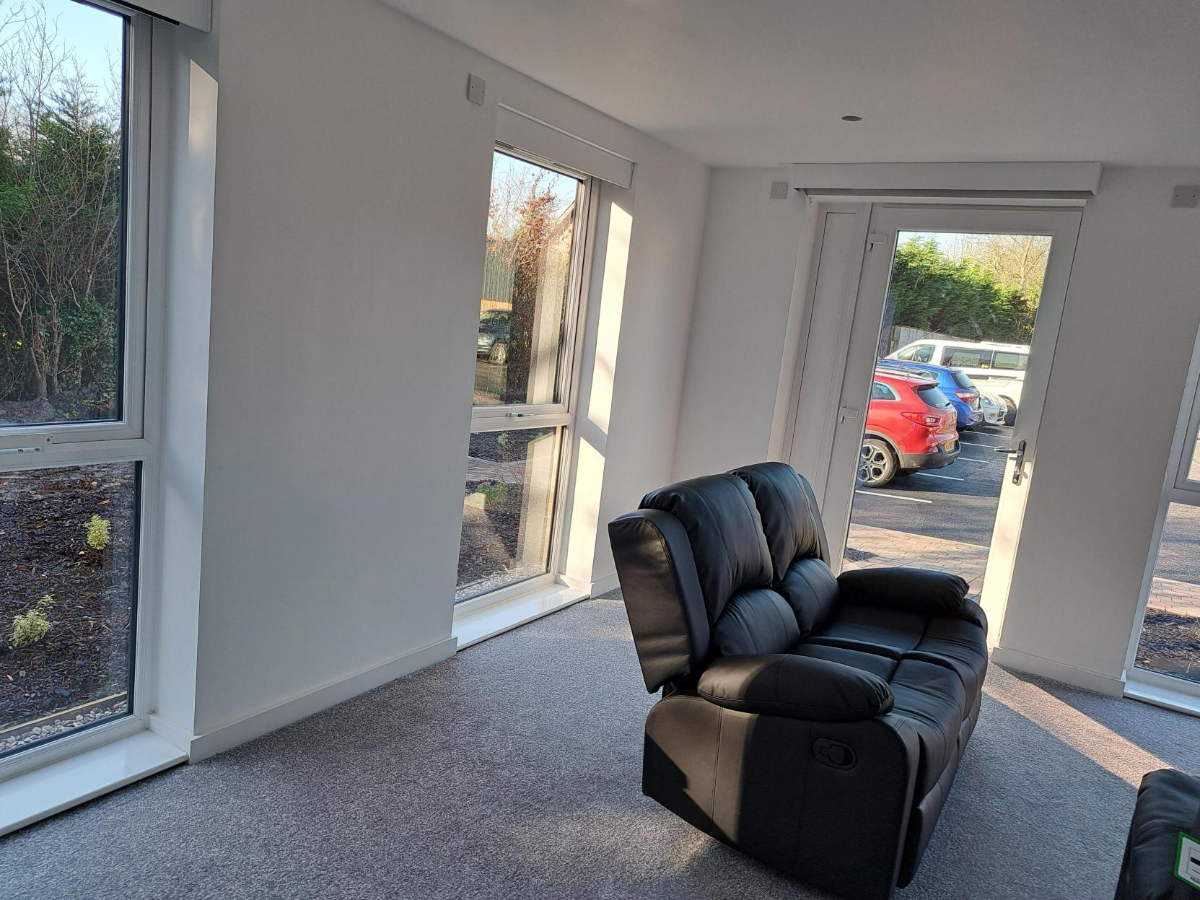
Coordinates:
<point>512,771</point>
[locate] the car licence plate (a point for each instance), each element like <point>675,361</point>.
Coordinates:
<point>949,446</point>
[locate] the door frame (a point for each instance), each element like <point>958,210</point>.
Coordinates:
<point>851,383</point>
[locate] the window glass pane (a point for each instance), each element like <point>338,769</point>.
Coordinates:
<point>923,353</point>
<point>68,549</point>
<point>508,509</point>
<point>966,358</point>
<point>1170,641</point>
<point>1194,465</point>
<point>61,234</point>
<point>526,283</point>
<point>1005,360</point>
<point>881,392</point>
<point>932,395</point>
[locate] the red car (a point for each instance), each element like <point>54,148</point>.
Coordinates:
<point>910,426</point>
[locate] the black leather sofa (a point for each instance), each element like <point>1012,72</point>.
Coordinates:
<point>815,723</point>
<point>1168,803</point>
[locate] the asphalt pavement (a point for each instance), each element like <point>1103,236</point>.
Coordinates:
<point>958,503</point>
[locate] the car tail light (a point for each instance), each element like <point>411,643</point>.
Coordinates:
<point>926,420</point>
<point>965,396</point>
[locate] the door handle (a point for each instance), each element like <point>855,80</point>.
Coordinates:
<point>1017,454</point>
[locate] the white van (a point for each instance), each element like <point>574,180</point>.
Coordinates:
<point>999,368</point>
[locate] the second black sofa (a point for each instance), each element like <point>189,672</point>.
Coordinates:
<point>813,722</point>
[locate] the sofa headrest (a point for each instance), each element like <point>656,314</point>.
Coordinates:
<point>725,533</point>
<point>789,514</point>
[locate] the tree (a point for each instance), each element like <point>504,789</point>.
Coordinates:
<point>528,225</point>
<point>1016,261</point>
<point>529,245</point>
<point>60,187</point>
<point>965,296</point>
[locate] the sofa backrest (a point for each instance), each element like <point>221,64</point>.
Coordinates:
<point>725,533</point>
<point>696,574</point>
<point>788,509</point>
<point>796,536</point>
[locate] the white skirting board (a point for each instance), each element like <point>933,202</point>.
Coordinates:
<point>1049,668</point>
<point>605,584</point>
<point>276,717</point>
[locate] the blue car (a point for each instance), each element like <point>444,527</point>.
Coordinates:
<point>953,383</point>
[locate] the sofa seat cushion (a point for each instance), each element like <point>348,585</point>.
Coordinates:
<point>959,644</point>
<point>883,666</point>
<point>889,631</point>
<point>931,700</point>
<point>928,697</point>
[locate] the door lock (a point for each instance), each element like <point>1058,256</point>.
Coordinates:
<point>1017,454</point>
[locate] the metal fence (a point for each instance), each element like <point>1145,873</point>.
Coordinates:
<point>490,379</point>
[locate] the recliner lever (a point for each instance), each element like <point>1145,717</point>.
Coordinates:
<point>834,753</point>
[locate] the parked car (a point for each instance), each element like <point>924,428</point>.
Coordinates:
<point>910,427</point>
<point>493,336</point>
<point>995,410</point>
<point>998,367</point>
<point>954,384</point>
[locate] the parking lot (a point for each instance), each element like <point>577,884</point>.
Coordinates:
<point>958,504</point>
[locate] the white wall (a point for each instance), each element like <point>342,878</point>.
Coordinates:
<point>1132,310</point>
<point>351,198</point>
<point>648,378</point>
<point>743,297</point>
<point>1131,315</point>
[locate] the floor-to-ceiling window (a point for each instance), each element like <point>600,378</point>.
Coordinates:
<point>524,379</point>
<point>1166,649</point>
<point>73,456</point>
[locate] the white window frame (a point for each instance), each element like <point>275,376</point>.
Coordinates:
<point>37,438</point>
<point>129,440</point>
<point>1178,489</point>
<point>561,413</point>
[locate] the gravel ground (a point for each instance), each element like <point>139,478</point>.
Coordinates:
<point>1170,645</point>
<point>26,736</point>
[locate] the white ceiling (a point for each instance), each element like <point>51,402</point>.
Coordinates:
<point>766,81</point>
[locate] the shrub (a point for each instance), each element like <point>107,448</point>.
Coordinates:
<point>496,492</point>
<point>99,532</point>
<point>31,627</point>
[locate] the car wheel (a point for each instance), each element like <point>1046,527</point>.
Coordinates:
<point>1010,412</point>
<point>499,352</point>
<point>876,464</point>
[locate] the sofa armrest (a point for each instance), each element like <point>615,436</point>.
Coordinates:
<point>914,590</point>
<point>797,687</point>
